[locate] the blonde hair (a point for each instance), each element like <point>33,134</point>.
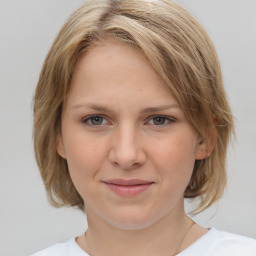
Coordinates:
<point>181,53</point>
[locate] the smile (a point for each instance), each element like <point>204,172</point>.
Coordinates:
<point>128,187</point>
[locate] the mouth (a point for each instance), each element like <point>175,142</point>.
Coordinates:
<point>128,187</point>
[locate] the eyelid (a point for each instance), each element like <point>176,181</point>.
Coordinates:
<point>86,118</point>
<point>169,118</point>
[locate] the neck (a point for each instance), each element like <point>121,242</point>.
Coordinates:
<point>161,238</point>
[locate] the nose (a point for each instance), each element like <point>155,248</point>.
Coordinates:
<point>127,150</point>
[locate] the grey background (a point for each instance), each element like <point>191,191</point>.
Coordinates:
<point>27,29</point>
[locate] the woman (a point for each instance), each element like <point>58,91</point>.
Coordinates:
<point>131,117</point>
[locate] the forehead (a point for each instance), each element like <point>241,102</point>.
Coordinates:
<point>113,70</point>
<point>118,58</point>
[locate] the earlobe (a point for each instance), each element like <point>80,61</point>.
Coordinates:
<point>206,144</point>
<point>60,146</point>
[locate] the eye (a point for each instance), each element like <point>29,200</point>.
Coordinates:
<point>160,120</point>
<point>94,120</point>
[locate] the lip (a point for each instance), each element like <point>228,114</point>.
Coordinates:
<point>128,187</point>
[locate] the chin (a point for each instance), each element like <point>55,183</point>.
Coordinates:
<point>132,221</point>
<point>131,225</point>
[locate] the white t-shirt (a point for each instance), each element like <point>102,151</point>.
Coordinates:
<point>213,243</point>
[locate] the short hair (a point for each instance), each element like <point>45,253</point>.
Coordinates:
<point>181,53</point>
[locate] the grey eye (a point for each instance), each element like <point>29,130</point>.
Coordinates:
<point>159,120</point>
<point>96,120</point>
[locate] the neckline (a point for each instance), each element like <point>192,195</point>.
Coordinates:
<point>195,244</point>
<point>81,252</point>
<point>76,247</point>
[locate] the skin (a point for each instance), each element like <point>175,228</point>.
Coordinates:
<point>139,132</point>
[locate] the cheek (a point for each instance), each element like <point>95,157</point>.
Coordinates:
<point>84,157</point>
<point>174,158</point>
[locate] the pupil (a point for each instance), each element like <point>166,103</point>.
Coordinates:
<point>97,120</point>
<point>159,120</point>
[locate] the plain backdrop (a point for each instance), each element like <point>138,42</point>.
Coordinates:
<point>27,29</point>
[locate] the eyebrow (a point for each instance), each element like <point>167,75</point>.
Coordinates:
<point>106,109</point>
<point>160,108</point>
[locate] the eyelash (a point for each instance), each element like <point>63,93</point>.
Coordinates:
<point>88,118</point>
<point>166,119</point>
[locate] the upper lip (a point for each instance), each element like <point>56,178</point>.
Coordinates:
<point>131,182</point>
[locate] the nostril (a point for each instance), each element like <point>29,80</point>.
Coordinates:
<point>126,153</point>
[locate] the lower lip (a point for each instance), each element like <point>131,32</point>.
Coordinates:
<point>128,190</point>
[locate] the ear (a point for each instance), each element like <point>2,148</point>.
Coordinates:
<point>60,146</point>
<point>206,144</point>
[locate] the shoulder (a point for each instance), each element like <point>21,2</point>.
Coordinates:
<point>68,248</point>
<point>221,243</point>
<point>226,240</point>
<point>55,250</point>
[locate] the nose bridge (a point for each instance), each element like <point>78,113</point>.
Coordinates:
<point>127,149</point>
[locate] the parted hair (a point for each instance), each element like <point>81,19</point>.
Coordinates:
<point>181,53</point>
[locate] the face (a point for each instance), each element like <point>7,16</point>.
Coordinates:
<point>129,148</point>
